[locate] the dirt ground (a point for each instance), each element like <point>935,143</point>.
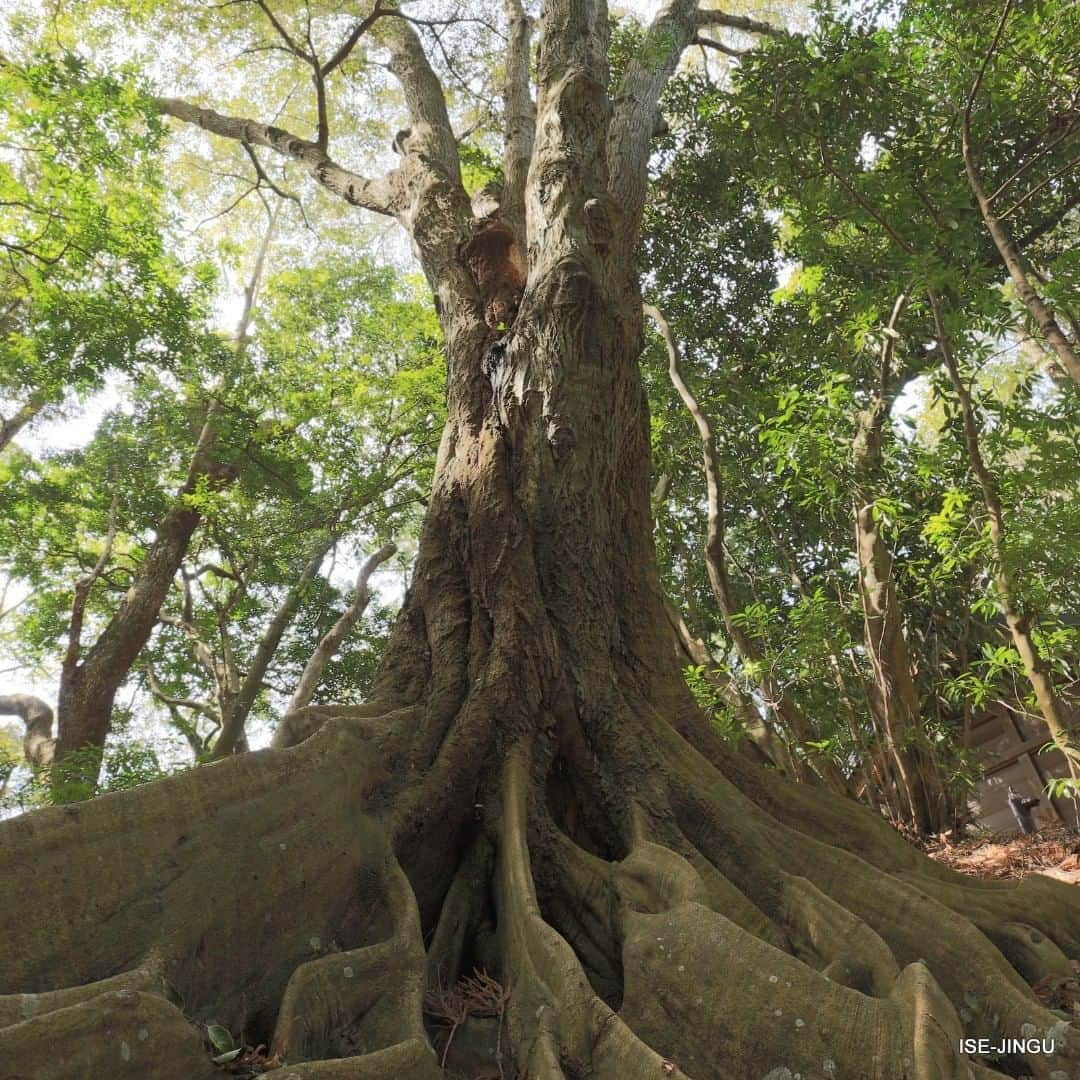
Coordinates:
<point>1052,851</point>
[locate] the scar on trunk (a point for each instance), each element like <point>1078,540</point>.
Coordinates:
<point>496,264</point>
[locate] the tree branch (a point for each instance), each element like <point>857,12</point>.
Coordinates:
<point>331,642</point>
<point>638,95</point>
<point>82,593</point>
<point>719,46</point>
<point>520,120</point>
<point>999,233</point>
<point>37,717</point>
<point>375,195</point>
<point>232,727</point>
<point>431,131</point>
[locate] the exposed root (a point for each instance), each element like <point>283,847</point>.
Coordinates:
<point>681,930</point>
<point>459,914</point>
<point>993,1000</point>
<point>412,1059</point>
<point>361,1001</point>
<point>722,1004</point>
<point>124,1034</point>
<point>1031,952</point>
<point>853,954</point>
<point>147,978</point>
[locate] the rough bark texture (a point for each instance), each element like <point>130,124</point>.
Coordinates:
<point>531,789</point>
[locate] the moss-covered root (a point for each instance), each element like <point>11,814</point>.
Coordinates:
<point>410,1060</point>
<point>852,953</point>
<point>742,1008</point>
<point>365,1001</point>
<point>120,1034</point>
<point>14,1008</point>
<point>558,1025</point>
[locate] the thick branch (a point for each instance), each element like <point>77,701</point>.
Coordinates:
<point>37,716</point>
<point>331,642</point>
<point>374,195</point>
<point>431,131</point>
<point>675,27</point>
<point>11,426</point>
<point>520,120</point>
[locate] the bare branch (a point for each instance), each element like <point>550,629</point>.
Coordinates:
<point>331,642</point>
<point>704,18</point>
<point>1016,174</point>
<point>520,120</point>
<point>719,46</point>
<point>375,195</point>
<point>1066,168</point>
<point>284,34</point>
<point>265,179</point>
<point>347,46</point>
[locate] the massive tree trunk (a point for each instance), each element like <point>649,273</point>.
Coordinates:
<point>531,789</point>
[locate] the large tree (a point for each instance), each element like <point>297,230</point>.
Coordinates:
<point>531,789</point>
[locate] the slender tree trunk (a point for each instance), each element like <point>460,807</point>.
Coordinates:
<point>768,747</point>
<point>778,699</point>
<point>896,695</point>
<point>1053,710</point>
<point>835,669</point>
<point>90,679</point>
<point>336,635</point>
<point>1040,312</point>
<point>235,713</point>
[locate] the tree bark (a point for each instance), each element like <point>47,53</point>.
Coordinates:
<point>37,717</point>
<point>531,788</point>
<point>11,426</point>
<point>89,680</point>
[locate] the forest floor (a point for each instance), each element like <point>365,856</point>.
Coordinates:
<point>1054,851</point>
